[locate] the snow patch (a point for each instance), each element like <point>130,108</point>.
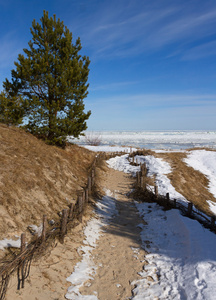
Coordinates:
<point>205,162</point>
<point>212,206</point>
<point>182,262</point>
<point>121,163</point>
<point>36,230</point>
<point>159,168</point>
<point>6,243</point>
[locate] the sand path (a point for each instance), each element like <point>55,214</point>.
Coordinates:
<point>118,256</point>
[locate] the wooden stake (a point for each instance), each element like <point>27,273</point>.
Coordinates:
<point>93,176</point>
<point>83,196</point>
<point>156,191</point>
<point>64,223</point>
<point>80,207</point>
<point>43,235</point>
<point>70,216</point>
<point>23,242</point>
<point>167,197</point>
<point>86,195</point>
<point>212,221</point>
<point>142,182</point>
<point>20,270</point>
<point>144,169</point>
<point>138,178</point>
<point>190,208</point>
<point>89,184</point>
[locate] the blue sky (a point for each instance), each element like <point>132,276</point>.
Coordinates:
<point>153,63</point>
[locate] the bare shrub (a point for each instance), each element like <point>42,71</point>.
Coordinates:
<point>93,139</point>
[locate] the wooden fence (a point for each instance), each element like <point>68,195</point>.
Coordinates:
<point>187,208</point>
<point>20,260</point>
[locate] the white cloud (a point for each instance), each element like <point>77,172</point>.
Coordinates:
<point>125,28</point>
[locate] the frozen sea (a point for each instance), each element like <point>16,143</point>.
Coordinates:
<point>153,139</point>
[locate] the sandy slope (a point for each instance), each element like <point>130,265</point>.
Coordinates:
<point>36,179</point>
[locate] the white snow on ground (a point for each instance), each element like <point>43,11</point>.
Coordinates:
<point>159,168</point>
<point>156,166</point>
<point>36,230</point>
<point>85,269</point>
<point>181,259</point>
<point>121,163</point>
<point>110,148</point>
<point>169,150</point>
<point>212,206</point>
<point>6,243</point>
<point>205,162</point>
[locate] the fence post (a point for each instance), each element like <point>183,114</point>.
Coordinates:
<point>143,183</point>
<point>190,208</point>
<point>167,197</point>
<point>93,176</point>
<point>141,167</point>
<point>23,242</point>
<point>138,178</point>
<point>174,202</point>
<point>83,196</point>
<point>89,184</point>
<point>43,235</point>
<point>80,205</point>
<point>212,221</point>
<point>94,162</point>
<point>70,216</point>
<point>144,169</point>
<point>156,191</point>
<point>20,270</point>
<point>86,195</point>
<point>64,224</point>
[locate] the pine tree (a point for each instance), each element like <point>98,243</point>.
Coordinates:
<point>11,109</point>
<point>52,79</point>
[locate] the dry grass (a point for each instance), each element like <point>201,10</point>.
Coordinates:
<point>36,179</point>
<point>192,184</point>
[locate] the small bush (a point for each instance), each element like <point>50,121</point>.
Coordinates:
<point>93,139</point>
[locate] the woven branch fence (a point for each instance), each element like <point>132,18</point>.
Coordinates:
<point>187,208</point>
<point>19,260</point>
